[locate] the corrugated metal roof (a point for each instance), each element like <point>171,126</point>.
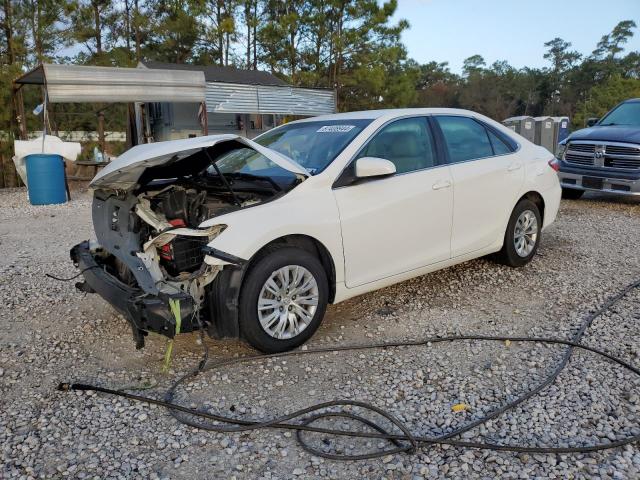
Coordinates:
<point>238,98</point>
<point>78,83</point>
<point>215,73</point>
<point>228,97</point>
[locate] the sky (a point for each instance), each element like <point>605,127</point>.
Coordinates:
<point>513,30</point>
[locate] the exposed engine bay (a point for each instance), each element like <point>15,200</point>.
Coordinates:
<point>186,208</point>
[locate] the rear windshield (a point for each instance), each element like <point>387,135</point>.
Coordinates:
<point>314,145</point>
<point>625,114</point>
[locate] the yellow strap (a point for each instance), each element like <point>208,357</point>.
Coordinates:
<point>174,305</point>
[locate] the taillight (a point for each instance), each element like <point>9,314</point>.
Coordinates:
<point>555,164</point>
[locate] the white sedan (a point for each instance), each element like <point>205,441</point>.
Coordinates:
<point>252,239</point>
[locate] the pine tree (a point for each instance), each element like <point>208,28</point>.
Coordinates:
<point>12,58</point>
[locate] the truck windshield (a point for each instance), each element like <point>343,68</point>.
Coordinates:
<point>314,145</point>
<point>625,114</point>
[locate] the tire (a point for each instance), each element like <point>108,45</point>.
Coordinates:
<point>273,328</point>
<point>572,193</point>
<point>510,254</point>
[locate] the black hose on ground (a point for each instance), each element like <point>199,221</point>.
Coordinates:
<point>404,440</point>
<point>60,279</point>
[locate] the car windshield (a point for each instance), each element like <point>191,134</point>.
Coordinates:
<point>246,163</point>
<point>625,114</point>
<point>314,145</point>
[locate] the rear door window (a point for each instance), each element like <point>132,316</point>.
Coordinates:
<point>499,147</point>
<point>465,138</point>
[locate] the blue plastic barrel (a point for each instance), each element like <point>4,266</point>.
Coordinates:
<point>45,178</point>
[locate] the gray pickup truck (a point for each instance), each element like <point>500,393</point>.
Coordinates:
<point>604,157</point>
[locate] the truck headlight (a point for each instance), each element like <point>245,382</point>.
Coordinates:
<point>562,147</point>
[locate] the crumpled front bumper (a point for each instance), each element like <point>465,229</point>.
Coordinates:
<point>145,312</point>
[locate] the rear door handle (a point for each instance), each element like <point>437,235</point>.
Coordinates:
<point>442,184</point>
<point>514,166</point>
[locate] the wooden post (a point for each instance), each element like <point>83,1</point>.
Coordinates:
<point>18,130</point>
<point>132,136</point>
<point>45,96</point>
<point>101,141</point>
<point>205,119</point>
<point>20,118</point>
<point>2,170</point>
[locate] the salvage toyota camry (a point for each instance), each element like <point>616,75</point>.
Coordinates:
<point>252,239</point>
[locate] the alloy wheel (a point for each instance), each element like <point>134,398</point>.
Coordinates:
<point>525,234</point>
<point>288,302</point>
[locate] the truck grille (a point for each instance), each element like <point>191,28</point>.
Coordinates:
<point>578,159</point>
<point>620,150</point>
<point>583,147</point>
<point>603,155</point>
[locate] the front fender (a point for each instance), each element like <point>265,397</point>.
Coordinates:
<point>310,211</point>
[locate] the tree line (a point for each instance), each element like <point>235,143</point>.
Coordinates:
<point>352,46</point>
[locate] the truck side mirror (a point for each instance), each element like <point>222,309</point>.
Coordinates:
<point>592,121</point>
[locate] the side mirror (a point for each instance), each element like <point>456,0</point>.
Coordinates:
<point>367,167</point>
<point>592,121</point>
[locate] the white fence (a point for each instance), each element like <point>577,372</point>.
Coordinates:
<point>76,136</point>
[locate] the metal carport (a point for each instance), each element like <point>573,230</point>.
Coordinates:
<point>89,84</point>
<point>234,98</point>
<point>82,84</point>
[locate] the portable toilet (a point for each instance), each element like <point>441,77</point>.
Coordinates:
<point>510,123</point>
<point>560,130</point>
<point>523,125</point>
<point>544,133</point>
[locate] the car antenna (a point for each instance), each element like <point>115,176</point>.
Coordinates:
<point>223,178</point>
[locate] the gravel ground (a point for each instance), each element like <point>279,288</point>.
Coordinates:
<point>49,333</point>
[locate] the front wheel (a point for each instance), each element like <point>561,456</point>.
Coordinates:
<point>283,300</point>
<point>522,237</point>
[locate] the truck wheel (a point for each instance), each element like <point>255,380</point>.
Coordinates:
<point>284,297</point>
<point>522,237</point>
<point>572,193</point>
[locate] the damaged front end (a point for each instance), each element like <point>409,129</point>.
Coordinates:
<point>145,313</point>
<point>151,251</point>
<point>143,261</point>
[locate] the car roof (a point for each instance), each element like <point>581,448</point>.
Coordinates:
<point>387,113</point>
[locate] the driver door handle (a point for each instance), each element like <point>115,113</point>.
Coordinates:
<point>441,184</point>
<point>514,166</point>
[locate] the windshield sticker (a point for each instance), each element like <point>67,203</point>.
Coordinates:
<point>336,128</point>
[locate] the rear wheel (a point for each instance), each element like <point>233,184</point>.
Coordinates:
<point>572,193</point>
<point>522,237</point>
<point>283,300</point>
